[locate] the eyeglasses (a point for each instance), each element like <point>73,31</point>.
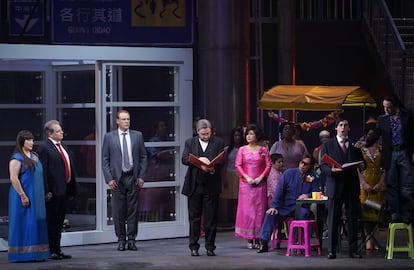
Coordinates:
<point>304,163</point>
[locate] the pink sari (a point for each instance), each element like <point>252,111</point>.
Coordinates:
<point>252,203</point>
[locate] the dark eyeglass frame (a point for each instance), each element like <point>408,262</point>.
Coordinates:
<point>304,163</point>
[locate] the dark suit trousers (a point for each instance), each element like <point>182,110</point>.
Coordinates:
<point>125,209</point>
<point>207,205</point>
<point>334,218</point>
<point>55,215</point>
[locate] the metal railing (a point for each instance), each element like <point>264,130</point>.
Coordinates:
<point>328,10</point>
<point>397,60</point>
<point>310,10</point>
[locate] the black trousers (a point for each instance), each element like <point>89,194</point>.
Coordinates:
<point>55,215</point>
<point>352,209</point>
<point>206,205</point>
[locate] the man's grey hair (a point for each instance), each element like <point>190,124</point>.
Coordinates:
<point>203,123</point>
<point>48,127</point>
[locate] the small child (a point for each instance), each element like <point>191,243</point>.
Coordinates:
<point>274,175</point>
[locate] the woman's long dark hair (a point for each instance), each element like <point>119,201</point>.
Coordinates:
<point>21,137</point>
<point>242,142</point>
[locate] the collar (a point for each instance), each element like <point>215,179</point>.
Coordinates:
<point>53,141</point>
<point>339,139</point>
<point>120,131</point>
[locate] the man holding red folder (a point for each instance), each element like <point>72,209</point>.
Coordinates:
<point>202,185</point>
<point>342,187</point>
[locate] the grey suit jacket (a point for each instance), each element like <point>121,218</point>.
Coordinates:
<point>112,155</point>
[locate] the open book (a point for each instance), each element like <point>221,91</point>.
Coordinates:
<point>197,162</point>
<point>333,163</point>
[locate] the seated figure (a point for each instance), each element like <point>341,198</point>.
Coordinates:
<point>295,183</point>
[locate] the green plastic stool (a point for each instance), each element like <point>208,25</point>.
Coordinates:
<point>392,228</point>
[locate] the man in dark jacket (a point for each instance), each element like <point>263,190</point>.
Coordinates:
<point>342,187</point>
<point>395,128</point>
<point>202,186</point>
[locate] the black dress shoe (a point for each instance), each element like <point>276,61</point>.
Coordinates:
<point>54,256</point>
<point>132,246</point>
<point>121,246</point>
<point>331,256</point>
<point>210,253</point>
<point>194,253</point>
<point>263,248</point>
<point>65,256</point>
<point>355,255</point>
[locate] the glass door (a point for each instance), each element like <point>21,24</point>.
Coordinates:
<point>149,93</point>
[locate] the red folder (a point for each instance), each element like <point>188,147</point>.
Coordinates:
<point>197,162</point>
<point>333,163</point>
<point>330,161</point>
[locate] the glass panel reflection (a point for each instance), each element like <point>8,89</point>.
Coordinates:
<point>78,124</point>
<point>161,164</point>
<point>76,86</point>
<point>157,204</point>
<point>81,211</point>
<point>4,211</point>
<point>21,87</point>
<point>84,159</point>
<point>14,120</point>
<point>142,83</point>
<point>147,120</point>
<point>6,153</point>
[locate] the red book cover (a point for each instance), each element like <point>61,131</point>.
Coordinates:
<point>330,161</point>
<point>333,163</point>
<point>197,162</point>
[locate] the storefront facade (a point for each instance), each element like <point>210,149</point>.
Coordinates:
<point>83,87</point>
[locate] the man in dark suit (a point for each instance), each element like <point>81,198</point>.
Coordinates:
<point>202,186</point>
<point>60,184</point>
<point>124,161</point>
<point>395,128</point>
<point>342,187</point>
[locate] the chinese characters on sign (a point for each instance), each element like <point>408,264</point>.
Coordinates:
<point>123,21</point>
<point>26,17</point>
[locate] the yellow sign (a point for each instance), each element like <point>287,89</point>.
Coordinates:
<point>158,13</point>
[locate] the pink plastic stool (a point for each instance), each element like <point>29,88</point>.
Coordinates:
<point>303,241</point>
<point>277,236</point>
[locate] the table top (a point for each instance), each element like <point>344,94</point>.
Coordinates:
<point>310,200</point>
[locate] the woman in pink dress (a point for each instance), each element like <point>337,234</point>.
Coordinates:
<point>253,166</point>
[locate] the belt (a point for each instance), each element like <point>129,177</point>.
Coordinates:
<point>127,173</point>
<point>398,147</point>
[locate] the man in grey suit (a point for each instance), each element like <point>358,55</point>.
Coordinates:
<point>124,161</point>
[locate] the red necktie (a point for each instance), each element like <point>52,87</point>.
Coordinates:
<point>343,146</point>
<point>65,161</point>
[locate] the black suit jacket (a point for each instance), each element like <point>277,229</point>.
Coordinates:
<point>335,182</point>
<point>54,170</point>
<point>383,128</point>
<point>211,182</point>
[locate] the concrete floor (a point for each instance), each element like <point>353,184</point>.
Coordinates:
<point>231,254</point>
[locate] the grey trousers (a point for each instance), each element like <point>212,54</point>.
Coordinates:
<point>125,209</point>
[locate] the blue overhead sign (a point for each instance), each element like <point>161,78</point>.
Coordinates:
<point>146,22</point>
<point>26,17</point>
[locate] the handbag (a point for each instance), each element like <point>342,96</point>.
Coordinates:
<point>372,204</point>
